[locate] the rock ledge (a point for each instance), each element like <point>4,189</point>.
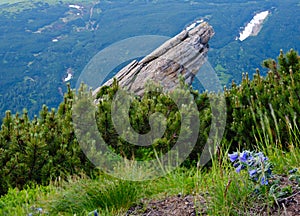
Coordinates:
<point>182,55</point>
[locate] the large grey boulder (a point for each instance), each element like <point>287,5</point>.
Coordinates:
<point>181,56</point>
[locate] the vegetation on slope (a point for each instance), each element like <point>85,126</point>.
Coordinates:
<point>262,116</point>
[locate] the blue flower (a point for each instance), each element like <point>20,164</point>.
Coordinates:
<point>233,157</point>
<point>256,190</point>
<point>250,157</point>
<point>39,210</point>
<point>264,181</point>
<point>269,171</point>
<point>251,161</point>
<point>235,165</point>
<point>293,171</point>
<point>252,172</point>
<point>239,168</point>
<point>95,213</point>
<point>259,154</point>
<point>244,156</point>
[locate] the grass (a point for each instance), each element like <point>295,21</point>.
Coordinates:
<point>17,202</point>
<point>271,144</point>
<point>226,192</point>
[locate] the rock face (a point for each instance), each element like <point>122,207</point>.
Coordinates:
<point>182,55</point>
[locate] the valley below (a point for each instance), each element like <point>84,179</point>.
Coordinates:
<point>41,41</point>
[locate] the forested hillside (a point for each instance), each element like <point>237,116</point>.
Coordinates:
<point>41,42</point>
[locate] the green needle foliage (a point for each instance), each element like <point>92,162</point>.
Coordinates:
<point>40,150</point>
<point>154,101</point>
<point>253,105</point>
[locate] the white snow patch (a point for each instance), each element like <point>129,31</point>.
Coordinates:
<point>250,27</point>
<point>78,7</point>
<point>69,77</point>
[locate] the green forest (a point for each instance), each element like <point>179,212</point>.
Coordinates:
<point>43,169</point>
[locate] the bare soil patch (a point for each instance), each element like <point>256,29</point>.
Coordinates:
<point>193,205</point>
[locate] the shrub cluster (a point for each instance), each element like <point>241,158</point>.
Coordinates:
<point>39,150</point>
<point>263,103</point>
<point>155,101</point>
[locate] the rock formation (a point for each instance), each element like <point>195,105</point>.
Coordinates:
<point>182,55</point>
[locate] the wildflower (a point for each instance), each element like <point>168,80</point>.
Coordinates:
<point>269,171</point>
<point>259,154</point>
<point>39,210</point>
<point>239,168</point>
<point>250,158</point>
<point>233,157</point>
<point>257,165</point>
<point>235,165</point>
<point>94,213</point>
<point>252,172</point>
<point>251,163</point>
<point>293,171</point>
<point>264,181</point>
<point>244,156</point>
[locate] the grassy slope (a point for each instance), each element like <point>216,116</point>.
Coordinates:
<point>113,197</point>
